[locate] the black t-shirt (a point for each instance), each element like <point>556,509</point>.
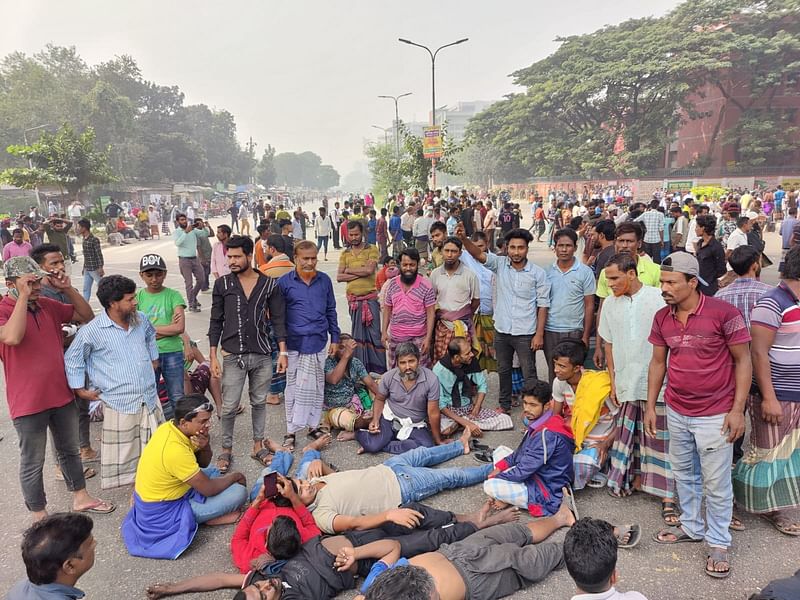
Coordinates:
<point>602,259</point>
<point>506,220</point>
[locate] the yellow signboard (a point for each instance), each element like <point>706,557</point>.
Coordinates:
<point>432,142</point>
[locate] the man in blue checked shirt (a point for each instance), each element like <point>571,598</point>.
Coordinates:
<point>118,352</point>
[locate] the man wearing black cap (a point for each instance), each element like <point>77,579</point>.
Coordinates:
<point>165,308</point>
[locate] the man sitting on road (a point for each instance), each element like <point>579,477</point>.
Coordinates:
<point>460,376</point>
<point>405,414</point>
<point>175,490</point>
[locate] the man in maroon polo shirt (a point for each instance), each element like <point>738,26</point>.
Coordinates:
<point>709,373</point>
<point>38,396</point>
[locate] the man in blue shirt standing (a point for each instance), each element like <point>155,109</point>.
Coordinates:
<point>395,231</point>
<point>57,551</point>
<point>310,318</point>
<point>186,236</point>
<point>520,314</point>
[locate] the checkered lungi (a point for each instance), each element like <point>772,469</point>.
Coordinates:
<point>123,439</point>
<point>509,492</point>
<point>487,420</point>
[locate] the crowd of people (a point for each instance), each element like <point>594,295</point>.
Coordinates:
<point>652,360</point>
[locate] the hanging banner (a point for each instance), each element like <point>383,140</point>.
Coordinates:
<point>432,142</point>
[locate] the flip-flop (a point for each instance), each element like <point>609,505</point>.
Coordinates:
<point>289,441</point>
<point>262,456</point>
<point>226,457</point>
<point>476,445</point>
<point>483,457</point>
<point>718,555</point>
<point>635,537</point>
<point>100,508</point>
<point>737,525</point>
<point>680,537</point>
<point>668,510</point>
<point>782,528</point>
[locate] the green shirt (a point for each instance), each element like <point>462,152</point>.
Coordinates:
<point>160,309</point>
<point>186,241</point>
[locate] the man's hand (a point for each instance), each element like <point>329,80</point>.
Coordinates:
<point>286,489</point>
<point>214,366</point>
<point>375,425</point>
<point>613,394</point>
<point>200,440</point>
<point>474,429</point>
<point>425,346</point>
<point>459,231</point>
<point>585,340</point>
<point>177,317</point>
<point>260,561</point>
<point>239,478</point>
<point>537,343</point>
<point>88,395</point>
<point>260,497</point>
<point>333,348</point>
<point>405,517</point>
<point>493,473</point>
<point>315,469</point>
<point>733,425</point>
<point>771,411</point>
<point>599,358</point>
<point>650,421</point>
<point>475,411</point>
<point>345,558</point>
<point>101,271</point>
<point>59,280</point>
<point>349,347</point>
<point>24,285</point>
<point>385,339</point>
<point>283,363</point>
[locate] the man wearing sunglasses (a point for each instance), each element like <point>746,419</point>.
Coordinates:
<point>176,490</point>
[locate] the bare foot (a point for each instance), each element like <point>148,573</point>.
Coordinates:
<point>564,515</point>
<point>346,436</point>
<point>480,515</point>
<point>464,439</point>
<point>498,505</point>
<point>507,515</point>
<point>158,590</point>
<point>360,451</point>
<point>321,442</point>
<point>272,446</point>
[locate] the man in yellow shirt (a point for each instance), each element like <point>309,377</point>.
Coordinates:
<point>175,489</point>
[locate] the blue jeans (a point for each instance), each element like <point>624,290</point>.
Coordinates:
<point>322,241</point>
<point>170,365</point>
<point>223,503</point>
<point>89,277</point>
<point>701,462</point>
<point>281,463</point>
<point>418,482</point>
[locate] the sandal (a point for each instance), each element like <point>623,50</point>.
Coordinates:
<point>262,457</point>
<point>316,433</point>
<point>483,456</point>
<point>476,445</point>
<point>783,524</point>
<point>633,533</point>
<point>669,514</point>
<point>619,494</point>
<point>98,507</point>
<point>680,536</point>
<point>737,525</point>
<point>288,442</point>
<point>717,556</point>
<point>224,461</point>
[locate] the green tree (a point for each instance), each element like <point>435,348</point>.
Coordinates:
<point>65,159</point>
<point>265,171</point>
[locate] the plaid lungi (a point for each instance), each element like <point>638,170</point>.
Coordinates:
<point>305,390</point>
<point>517,381</point>
<point>586,465</point>
<point>767,478</point>
<point>487,420</point>
<point>484,335</point>
<point>509,492</point>
<point>124,437</point>
<point>442,336</point>
<point>635,453</point>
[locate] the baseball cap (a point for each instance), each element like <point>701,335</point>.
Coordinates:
<point>152,262</point>
<point>682,262</point>
<point>22,265</point>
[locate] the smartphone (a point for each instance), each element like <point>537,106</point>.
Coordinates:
<point>271,485</point>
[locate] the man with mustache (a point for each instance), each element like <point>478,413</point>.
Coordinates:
<point>118,352</point>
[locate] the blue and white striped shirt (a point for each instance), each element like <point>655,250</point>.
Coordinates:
<point>117,361</point>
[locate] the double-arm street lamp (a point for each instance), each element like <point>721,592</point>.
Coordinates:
<point>396,121</point>
<point>385,131</point>
<point>433,54</point>
<point>30,162</point>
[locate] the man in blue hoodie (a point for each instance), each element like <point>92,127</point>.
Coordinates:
<point>534,474</point>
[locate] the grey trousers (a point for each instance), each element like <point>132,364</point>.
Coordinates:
<point>497,561</point>
<point>192,267</point>
<point>32,433</point>
<point>505,346</point>
<point>257,369</point>
<point>553,339</point>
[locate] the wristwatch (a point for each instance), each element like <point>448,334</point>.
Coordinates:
<point>283,354</point>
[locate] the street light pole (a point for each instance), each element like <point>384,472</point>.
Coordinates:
<point>385,131</point>
<point>433,87</point>
<point>396,121</point>
<point>30,162</point>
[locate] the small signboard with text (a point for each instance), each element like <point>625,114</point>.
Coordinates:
<point>432,142</point>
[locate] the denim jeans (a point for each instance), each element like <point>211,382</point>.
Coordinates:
<point>227,501</point>
<point>170,365</point>
<point>281,463</point>
<point>418,482</point>
<point>701,462</point>
<point>322,241</point>
<point>505,346</point>
<point>257,369</point>
<point>89,277</point>
<point>32,434</point>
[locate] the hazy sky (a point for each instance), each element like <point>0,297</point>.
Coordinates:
<point>304,74</point>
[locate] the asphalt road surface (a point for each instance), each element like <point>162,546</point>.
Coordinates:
<point>660,572</point>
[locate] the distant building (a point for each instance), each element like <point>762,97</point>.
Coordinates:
<point>457,117</point>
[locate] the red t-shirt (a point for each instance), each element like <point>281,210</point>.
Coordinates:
<point>249,541</point>
<point>34,369</point>
<point>700,372</point>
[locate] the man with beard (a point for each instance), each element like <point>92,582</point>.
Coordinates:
<point>405,413</point>
<point>638,462</point>
<point>310,319</point>
<point>458,296</point>
<point>118,352</point>
<point>523,299</point>
<point>407,297</point>
<point>240,302</point>
<point>357,267</point>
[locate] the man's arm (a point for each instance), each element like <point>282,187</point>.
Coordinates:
<point>13,331</point>
<point>177,325</point>
<point>609,354</point>
<point>743,373</point>
<point>537,342</point>
<point>655,379</point>
<point>430,315</point>
<point>763,338</point>
<point>401,516</point>
<point>469,245</point>
<point>343,273</point>
<point>214,485</point>
<point>588,318</point>
<point>435,421</point>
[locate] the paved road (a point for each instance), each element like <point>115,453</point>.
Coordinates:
<point>759,554</point>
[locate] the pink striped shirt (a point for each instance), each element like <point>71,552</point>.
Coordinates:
<point>409,307</point>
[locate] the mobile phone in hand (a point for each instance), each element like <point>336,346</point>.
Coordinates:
<point>270,485</point>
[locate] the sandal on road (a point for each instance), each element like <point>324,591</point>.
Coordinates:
<point>783,524</point>
<point>288,442</point>
<point>679,534</point>
<point>262,457</point>
<point>633,534</point>
<point>669,514</point>
<point>737,525</point>
<point>98,507</point>
<point>316,433</point>
<point>483,456</point>
<point>224,461</point>
<point>718,556</point>
<point>476,445</point>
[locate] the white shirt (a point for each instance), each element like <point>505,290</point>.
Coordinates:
<point>691,236</point>
<point>75,210</point>
<point>323,226</point>
<point>422,227</point>
<point>612,594</point>
<point>736,239</point>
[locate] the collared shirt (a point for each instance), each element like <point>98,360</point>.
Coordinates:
<point>485,280</point>
<point>567,292</point>
<point>625,323</point>
<point>408,307</point>
<point>92,254</point>
<point>457,290</point>
<point>219,259</point>
<point>186,241</point>
<point>243,325</point>
<point>39,356</point>
<point>743,294</point>
<point>520,293</point>
<point>117,361</point>
<point>701,349</point>
<point>363,285</point>
<point>779,311</point>
<point>25,590</point>
<point>736,239</point>
<point>13,249</point>
<point>310,312</point>
<point>413,403</point>
<point>649,273</point>
<point>653,221</point>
